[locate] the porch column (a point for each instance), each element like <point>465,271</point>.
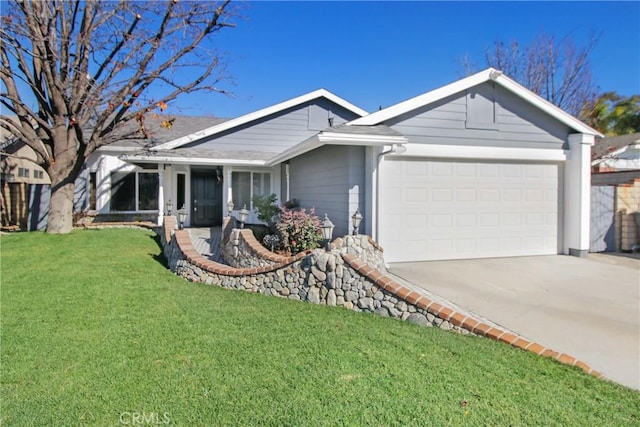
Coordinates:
<point>227,180</point>
<point>577,195</point>
<point>160,193</point>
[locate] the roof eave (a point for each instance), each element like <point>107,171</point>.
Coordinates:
<point>191,160</point>
<point>336,138</point>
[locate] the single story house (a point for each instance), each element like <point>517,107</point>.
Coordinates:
<point>481,167</point>
<point>615,194</point>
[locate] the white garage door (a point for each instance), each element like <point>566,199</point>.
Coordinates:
<point>437,210</point>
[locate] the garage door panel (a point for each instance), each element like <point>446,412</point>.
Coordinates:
<point>453,210</point>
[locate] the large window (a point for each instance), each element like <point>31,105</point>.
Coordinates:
<point>245,185</point>
<point>134,191</point>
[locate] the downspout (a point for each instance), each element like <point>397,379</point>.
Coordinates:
<point>395,149</point>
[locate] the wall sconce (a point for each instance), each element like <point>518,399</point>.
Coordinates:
<point>169,207</point>
<point>355,221</point>
<point>242,216</point>
<point>230,206</point>
<point>182,217</point>
<point>327,231</point>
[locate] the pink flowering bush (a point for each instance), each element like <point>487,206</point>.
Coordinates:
<point>298,230</point>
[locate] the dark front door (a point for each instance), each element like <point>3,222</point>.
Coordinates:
<point>206,191</point>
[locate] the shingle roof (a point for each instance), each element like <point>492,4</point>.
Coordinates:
<point>181,125</point>
<point>605,146</point>
<point>191,153</point>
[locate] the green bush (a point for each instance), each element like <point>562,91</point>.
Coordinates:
<point>266,209</point>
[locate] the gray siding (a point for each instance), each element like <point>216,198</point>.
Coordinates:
<point>39,196</point>
<point>519,124</point>
<point>331,180</point>
<point>602,219</point>
<point>80,195</point>
<point>277,132</point>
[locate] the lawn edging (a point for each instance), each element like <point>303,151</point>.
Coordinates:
<point>349,276</point>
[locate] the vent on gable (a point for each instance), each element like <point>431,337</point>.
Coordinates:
<point>319,118</point>
<point>482,108</point>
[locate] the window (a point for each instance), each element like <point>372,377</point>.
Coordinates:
<point>92,191</point>
<point>23,172</point>
<point>245,185</point>
<point>134,191</point>
<point>38,174</point>
<point>181,191</point>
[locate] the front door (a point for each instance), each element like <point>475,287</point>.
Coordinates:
<point>206,191</point>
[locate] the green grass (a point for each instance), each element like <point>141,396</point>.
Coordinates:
<point>94,328</point>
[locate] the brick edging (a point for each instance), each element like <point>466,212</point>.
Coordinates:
<point>260,251</point>
<point>459,319</point>
<point>185,245</point>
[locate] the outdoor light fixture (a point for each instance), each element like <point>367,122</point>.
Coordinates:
<point>230,206</point>
<point>169,207</point>
<point>327,231</point>
<point>182,217</point>
<point>242,216</point>
<point>355,220</point>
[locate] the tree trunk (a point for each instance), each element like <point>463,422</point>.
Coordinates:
<point>60,219</point>
<point>63,172</point>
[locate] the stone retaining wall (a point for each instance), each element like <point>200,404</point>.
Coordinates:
<point>342,277</point>
<point>346,277</point>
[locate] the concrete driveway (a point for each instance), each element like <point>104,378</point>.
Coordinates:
<point>588,307</point>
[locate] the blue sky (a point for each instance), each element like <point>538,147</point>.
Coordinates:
<point>379,53</point>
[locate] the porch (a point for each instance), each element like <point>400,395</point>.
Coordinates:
<point>207,241</point>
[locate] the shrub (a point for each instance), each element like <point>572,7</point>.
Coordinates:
<point>298,230</point>
<point>266,209</point>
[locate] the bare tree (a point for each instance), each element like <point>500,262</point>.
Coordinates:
<point>557,70</point>
<point>78,75</point>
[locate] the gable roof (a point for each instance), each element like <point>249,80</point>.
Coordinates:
<point>379,135</point>
<point>490,74</point>
<point>256,115</point>
<point>609,145</point>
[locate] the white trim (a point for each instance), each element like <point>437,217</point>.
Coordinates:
<point>421,100</point>
<point>230,124</point>
<point>487,153</point>
<point>196,161</point>
<point>336,138</point>
<point>114,147</point>
<point>577,194</point>
<point>483,76</point>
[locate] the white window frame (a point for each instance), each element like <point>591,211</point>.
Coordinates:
<point>137,171</point>
<point>251,174</point>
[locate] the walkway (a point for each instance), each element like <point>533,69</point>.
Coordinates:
<point>208,242</point>
<point>586,307</point>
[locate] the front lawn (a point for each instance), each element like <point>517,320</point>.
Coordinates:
<point>95,331</point>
